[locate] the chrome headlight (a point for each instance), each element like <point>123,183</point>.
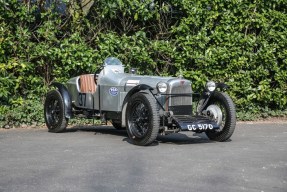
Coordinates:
<point>210,86</point>
<point>162,87</point>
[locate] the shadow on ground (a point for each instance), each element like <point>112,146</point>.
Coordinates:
<point>181,138</point>
<point>99,130</point>
<point>175,138</point>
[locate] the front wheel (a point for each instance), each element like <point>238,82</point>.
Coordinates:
<point>142,118</point>
<point>54,112</point>
<point>223,112</point>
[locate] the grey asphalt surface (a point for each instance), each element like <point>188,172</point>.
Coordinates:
<point>102,159</point>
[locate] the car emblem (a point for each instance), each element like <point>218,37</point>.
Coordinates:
<point>114,91</point>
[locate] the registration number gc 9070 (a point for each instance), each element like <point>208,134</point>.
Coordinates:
<point>195,127</point>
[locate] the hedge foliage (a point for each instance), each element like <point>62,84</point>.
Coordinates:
<point>242,43</point>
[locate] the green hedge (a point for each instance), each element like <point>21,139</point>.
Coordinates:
<point>242,43</point>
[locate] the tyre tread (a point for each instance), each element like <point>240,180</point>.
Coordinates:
<point>229,127</point>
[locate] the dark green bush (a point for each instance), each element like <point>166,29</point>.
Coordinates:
<point>242,43</point>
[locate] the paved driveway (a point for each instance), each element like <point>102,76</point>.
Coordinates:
<point>102,159</point>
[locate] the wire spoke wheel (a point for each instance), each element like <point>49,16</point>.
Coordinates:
<point>139,119</point>
<point>54,112</point>
<point>142,118</point>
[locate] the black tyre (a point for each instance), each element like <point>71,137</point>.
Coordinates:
<point>142,118</point>
<point>54,112</point>
<point>117,125</point>
<point>222,103</point>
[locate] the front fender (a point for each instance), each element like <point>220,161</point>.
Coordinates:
<point>206,95</point>
<point>138,88</point>
<point>222,86</point>
<point>66,98</point>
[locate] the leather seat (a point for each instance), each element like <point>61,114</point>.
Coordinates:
<point>87,83</point>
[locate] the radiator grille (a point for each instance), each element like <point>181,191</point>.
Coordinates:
<point>180,100</point>
<point>179,104</point>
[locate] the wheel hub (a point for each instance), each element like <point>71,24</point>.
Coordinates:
<point>215,113</point>
<point>139,119</point>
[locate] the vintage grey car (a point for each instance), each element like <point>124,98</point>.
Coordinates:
<point>143,105</point>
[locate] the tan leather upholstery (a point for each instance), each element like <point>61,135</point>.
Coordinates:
<point>87,84</point>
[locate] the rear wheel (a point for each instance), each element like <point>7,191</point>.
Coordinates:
<point>54,112</point>
<point>223,112</point>
<point>142,118</point>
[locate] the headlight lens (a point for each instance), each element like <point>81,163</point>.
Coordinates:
<point>210,85</point>
<point>162,87</point>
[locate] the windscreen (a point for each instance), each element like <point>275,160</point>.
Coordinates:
<point>112,61</point>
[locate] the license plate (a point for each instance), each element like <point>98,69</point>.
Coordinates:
<point>202,127</point>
